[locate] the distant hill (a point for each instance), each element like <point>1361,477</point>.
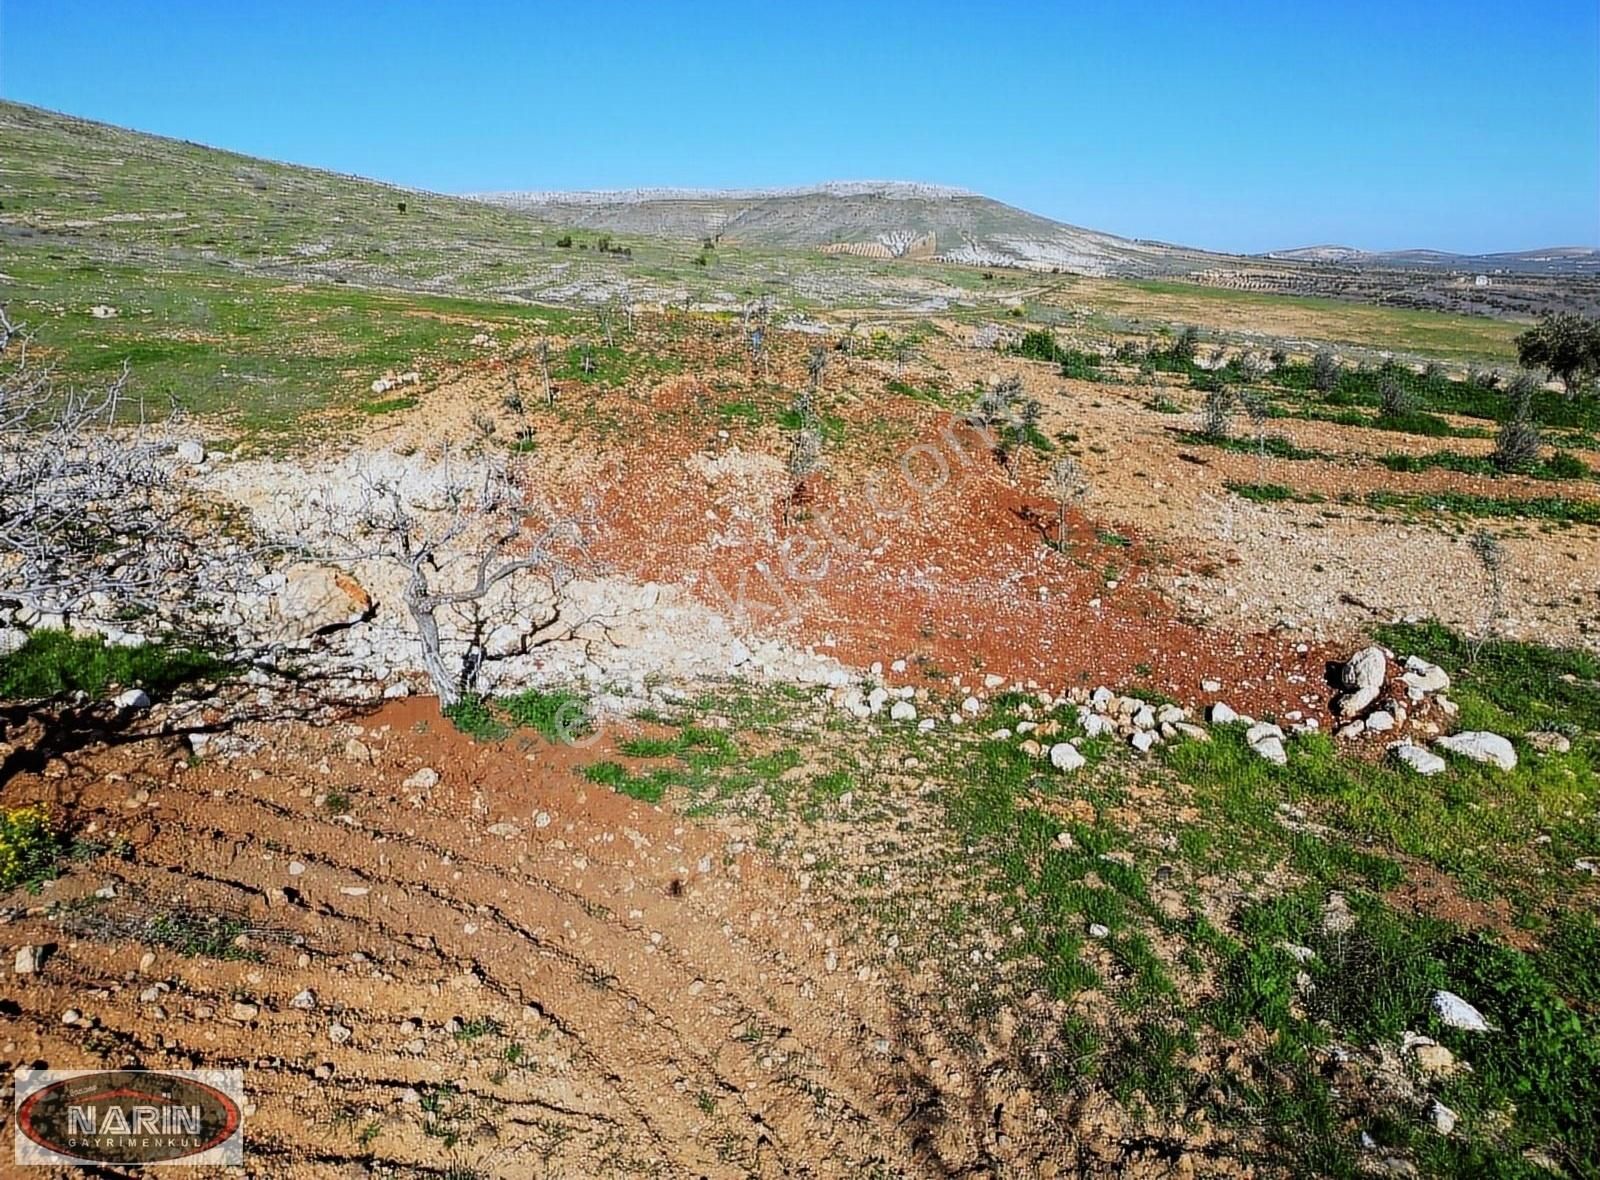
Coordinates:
<point>965,226</point>
<point>1567,260</point>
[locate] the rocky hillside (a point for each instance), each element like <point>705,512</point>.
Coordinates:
<point>966,227</point>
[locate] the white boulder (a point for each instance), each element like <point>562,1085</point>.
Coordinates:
<point>1094,725</point>
<point>1452,1010</point>
<point>1425,677</point>
<point>1362,677</point>
<point>1064,756</point>
<point>1480,746</point>
<point>1424,762</point>
<point>1271,748</point>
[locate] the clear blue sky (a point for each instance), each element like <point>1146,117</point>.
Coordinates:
<point>1466,125</point>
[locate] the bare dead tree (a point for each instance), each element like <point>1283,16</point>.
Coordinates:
<point>816,365</point>
<point>544,373</point>
<point>757,317</point>
<point>1067,486</point>
<point>1259,412</point>
<point>92,518</point>
<point>1491,555</point>
<point>902,350</point>
<point>487,531</point>
<point>805,445</point>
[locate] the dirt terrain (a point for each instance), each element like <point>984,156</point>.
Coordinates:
<point>441,956</point>
<point>629,994</point>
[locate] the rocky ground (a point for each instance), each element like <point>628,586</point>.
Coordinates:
<point>925,823</point>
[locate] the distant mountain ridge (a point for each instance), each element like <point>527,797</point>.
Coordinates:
<point>1549,260</point>
<point>888,189</point>
<point>966,226</point>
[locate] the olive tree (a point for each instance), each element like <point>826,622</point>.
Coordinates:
<point>1564,345</point>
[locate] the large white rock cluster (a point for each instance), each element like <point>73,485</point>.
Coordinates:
<point>1406,703</point>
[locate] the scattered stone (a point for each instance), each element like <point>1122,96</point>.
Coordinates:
<point>1094,725</point>
<point>30,959</point>
<point>71,1016</point>
<point>902,711</point>
<point>1480,746</point>
<point>244,1012</point>
<point>1221,714</point>
<point>1434,1061</point>
<point>305,1000</point>
<point>1097,931</point>
<point>133,698</point>
<point>1425,677</point>
<point>1455,1012</point>
<point>1380,721</point>
<point>1300,954</point>
<point>505,831</point>
<point>423,780</point>
<point>1424,762</point>
<point>338,1033</point>
<point>312,600</point>
<point>1350,731</point>
<point>1549,742</point>
<point>1362,676</point>
<point>1193,732</point>
<point>1211,686</point>
<point>356,750</point>
<point>1271,748</point>
<point>1441,1117</point>
<point>1336,915</point>
<point>191,452</point>
<point>1064,756</point>
<point>1142,741</point>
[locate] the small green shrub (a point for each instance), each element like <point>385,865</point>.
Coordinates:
<point>559,715</point>
<point>475,717</point>
<point>53,663</point>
